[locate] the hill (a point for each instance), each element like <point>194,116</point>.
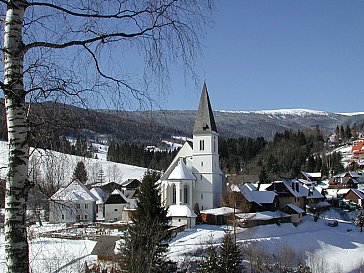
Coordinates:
<point>248,123</point>
<point>52,120</point>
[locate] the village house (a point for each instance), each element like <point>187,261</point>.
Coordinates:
<point>249,199</point>
<point>346,180</point>
<point>218,216</point>
<point>101,197</point>
<point>73,203</point>
<point>130,188</point>
<point>311,178</point>
<point>252,219</point>
<point>352,195</point>
<point>358,150</point>
<point>115,205</point>
<point>107,250</point>
<point>289,191</point>
<point>295,212</point>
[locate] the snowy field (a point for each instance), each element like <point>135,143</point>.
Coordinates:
<point>339,247</point>
<point>46,163</point>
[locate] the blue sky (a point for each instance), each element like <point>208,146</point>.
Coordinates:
<point>265,54</point>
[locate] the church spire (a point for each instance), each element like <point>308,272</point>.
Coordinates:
<point>205,121</point>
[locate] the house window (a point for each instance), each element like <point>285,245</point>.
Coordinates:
<point>115,209</point>
<point>85,216</point>
<point>86,206</point>
<point>179,220</point>
<point>78,206</point>
<point>174,194</point>
<point>185,194</point>
<point>201,163</point>
<point>202,145</point>
<point>78,217</point>
<point>62,216</point>
<point>201,196</point>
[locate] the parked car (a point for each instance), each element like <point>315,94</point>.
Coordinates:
<point>333,223</point>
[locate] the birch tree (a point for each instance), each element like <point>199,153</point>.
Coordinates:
<point>54,49</point>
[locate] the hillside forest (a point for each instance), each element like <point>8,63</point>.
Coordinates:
<point>285,156</point>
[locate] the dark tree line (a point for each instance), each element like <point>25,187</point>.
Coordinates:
<point>235,152</point>
<point>136,154</point>
<point>289,153</point>
<point>343,134</point>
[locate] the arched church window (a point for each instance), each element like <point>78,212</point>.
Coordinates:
<point>185,194</point>
<point>174,194</point>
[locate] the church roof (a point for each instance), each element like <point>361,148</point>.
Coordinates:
<point>205,121</point>
<point>181,172</point>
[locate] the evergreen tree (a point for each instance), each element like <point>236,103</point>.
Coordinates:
<point>263,177</point>
<point>348,134</point>
<point>359,220</point>
<point>210,262</point>
<point>80,172</point>
<point>146,240</point>
<point>230,255</point>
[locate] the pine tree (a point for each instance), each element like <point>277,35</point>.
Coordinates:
<point>146,240</point>
<point>80,172</point>
<point>263,177</point>
<point>210,262</point>
<point>230,256</point>
<point>359,220</point>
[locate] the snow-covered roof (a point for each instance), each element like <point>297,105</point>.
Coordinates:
<point>75,191</point>
<point>311,192</point>
<point>220,211</point>
<point>295,208</point>
<point>295,193</point>
<point>259,197</point>
<point>358,193</point>
<point>116,197</point>
<point>262,216</point>
<point>181,172</point>
<point>250,186</point>
<point>180,211</point>
<point>343,191</point>
<point>264,186</point>
<point>99,194</point>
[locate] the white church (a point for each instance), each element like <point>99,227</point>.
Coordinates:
<point>194,176</point>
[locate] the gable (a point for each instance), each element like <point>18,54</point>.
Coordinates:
<point>74,191</point>
<point>185,151</point>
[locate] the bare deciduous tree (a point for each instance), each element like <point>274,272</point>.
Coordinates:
<point>54,49</point>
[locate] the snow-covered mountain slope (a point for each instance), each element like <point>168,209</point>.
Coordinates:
<point>283,112</point>
<point>54,165</point>
<point>264,123</point>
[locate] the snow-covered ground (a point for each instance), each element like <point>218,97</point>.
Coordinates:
<point>341,246</point>
<point>62,166</point>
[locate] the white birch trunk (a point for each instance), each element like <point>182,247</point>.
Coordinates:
<point>17,185</point>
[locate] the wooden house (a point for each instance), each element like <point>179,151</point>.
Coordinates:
<point>249,199</point>
<point>289,191</point>
<point>295,212</point>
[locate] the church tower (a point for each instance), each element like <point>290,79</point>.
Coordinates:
<point>205,157</point>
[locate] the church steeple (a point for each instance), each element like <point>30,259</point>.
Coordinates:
<point>205,122</point>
